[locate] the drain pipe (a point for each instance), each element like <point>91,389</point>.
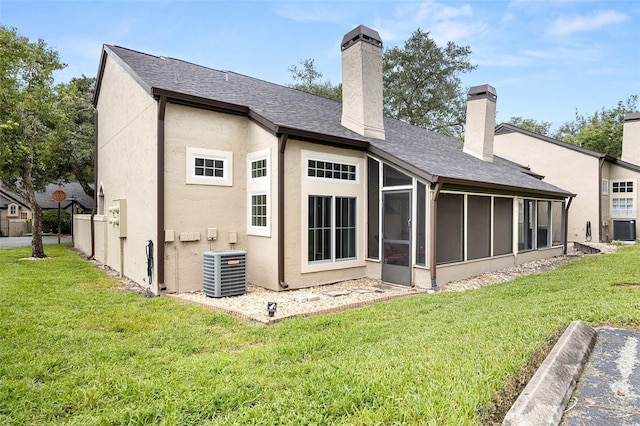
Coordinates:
<point>282,143</point>
<point>95,184</point>
<point>566,223</point>
<point>162,108</point>
<point>434,226</point>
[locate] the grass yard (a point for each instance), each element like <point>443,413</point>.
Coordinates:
<point>76,351</point>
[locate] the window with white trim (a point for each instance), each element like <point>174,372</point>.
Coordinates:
<point>332,228</point>
<point>622,207</point>
<point>209,167</point>
<point>259,210</point>
<point>622,186</point>
<point>331,170</point>
<point>605,187</point>
<point>13,210</point>
<point>259,168</point>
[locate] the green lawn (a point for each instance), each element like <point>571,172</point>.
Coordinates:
<point>75,351</point>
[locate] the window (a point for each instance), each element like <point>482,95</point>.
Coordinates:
<point>373,208</point>
<point>331,228</point>
<point>618,187</point>
<point>331,170</point>
<point>557,223</point>
<point>13,210</point>
<point>544,211</point>
<point>259,168</point>
<point>478,227</point>
<point>605,187</point>
<point>209,167</point>
<point>421,224</point>
<point>393,177</point>
<point>450,235</point>
<point>502,226</point>
<point>622,207</point>
<point>259,210</point>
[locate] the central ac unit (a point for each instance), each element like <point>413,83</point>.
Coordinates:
<point>225,273</point>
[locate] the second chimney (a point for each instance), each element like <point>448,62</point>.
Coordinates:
<point>631,138</point>
<point>481,122</point>
<point>362,82</point>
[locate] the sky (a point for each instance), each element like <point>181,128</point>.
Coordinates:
<point>547,59</point>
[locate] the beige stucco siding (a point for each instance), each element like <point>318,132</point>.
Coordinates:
<point>127,169</point>
<point>563,167</point>
<point>298,271</point>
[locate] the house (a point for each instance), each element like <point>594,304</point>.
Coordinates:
<point>605,207</point>
<point>193,160</point>
<point>16,213</point>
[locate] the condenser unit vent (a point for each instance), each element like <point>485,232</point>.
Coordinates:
<point>225,273</point>
<point>624,230</point>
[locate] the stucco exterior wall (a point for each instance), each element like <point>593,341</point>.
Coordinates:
<point>563,167</point>
<point>127,157</point>
<point>299,272</point>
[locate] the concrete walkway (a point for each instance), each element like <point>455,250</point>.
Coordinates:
<point>6,242</point>
<point>608,392</point>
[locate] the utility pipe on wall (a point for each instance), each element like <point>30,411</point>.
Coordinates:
<point>282,143</point>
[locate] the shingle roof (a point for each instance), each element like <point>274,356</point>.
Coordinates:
<point>428,154</point>
<point>72,189</point>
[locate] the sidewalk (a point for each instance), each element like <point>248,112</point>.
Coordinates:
<point>608,391</point>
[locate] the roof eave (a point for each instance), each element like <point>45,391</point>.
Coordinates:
<point>501,187</point>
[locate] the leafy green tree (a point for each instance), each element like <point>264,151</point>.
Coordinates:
<point>600,131</point>
<point>50,221</point>
<point>422,84</point>
<point>36,120</point>
<point>310,80</point>
<point>539,127</point>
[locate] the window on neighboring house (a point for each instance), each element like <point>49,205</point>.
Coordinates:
<point>605,187</point>
<point>626,186</point>
<point>331,170</point>
<point>259,210</point>
<point>259,168</point>
<point>332,228</point>
<point>23,215</point>
<point>622,207</point>
<point>13,210</point>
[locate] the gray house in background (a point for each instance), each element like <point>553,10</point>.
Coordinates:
<point>195,160</point>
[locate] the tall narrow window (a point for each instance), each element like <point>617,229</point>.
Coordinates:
<point>526,223</point>
<point>259,210</point>
<point>319,228</point>
<point>421,224</point>
<point>345,219</point>
<point>478,227</point>
<point>543,223</point>
<point>450,234</point>
<point>502,226</point>
<point>373,208</point>
<point>557,223</point>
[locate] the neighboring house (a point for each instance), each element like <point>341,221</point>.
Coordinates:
<point>76,199</point>
<point>606,205</point>
<point>14,214</point>
<point>193,160</point>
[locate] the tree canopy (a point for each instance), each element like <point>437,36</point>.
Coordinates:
<point>536,126</point>
<point>421,83</point>
<point>37,121</point>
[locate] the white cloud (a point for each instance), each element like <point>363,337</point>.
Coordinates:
<point>594,21</point>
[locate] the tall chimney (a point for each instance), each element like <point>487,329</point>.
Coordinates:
<point>481,122</point>
<point>631,138</point>
<point>362,82</point>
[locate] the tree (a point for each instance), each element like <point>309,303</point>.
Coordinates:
<point>539,127</point>
<point>36,120</point>
<point>310,80</point>
<point>422,84</point>
<point>600,131</point>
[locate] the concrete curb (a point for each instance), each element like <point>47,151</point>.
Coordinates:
<point>543,400</point>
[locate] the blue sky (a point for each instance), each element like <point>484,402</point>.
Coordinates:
<point>546,58</point>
